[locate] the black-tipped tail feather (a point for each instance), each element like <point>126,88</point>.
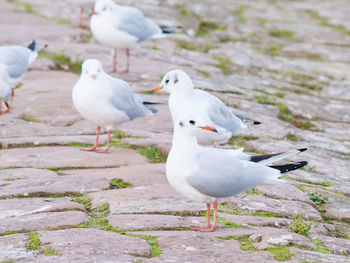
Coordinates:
<point>32,45</point>
<point>271,158</point>
<point>289,167</point>
<point>169,29</point>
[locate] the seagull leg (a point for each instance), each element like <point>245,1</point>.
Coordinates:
<point>114,61</point>
<point>127,61</point>
<point>198,228</point>
<point>0,107</point>
<point>12,95</point>
<point>105,150</point>
<point>213,227</point>
<point>81,18</point>
<point>7,105</point>
<point>96,143</point>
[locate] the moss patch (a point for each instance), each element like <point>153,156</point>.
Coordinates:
<point>265,99</point>
<point>205,74</point>
<point>244,240</point>
<point>224,64</point>
<point>286,115</point>
<point>29,118</point>
<point>240,13</point>
<point>320,247</point>
<point>34,243</point>
<point>281,33</point>
<point>63,62</point>
<point>280,253</point>
<point>63,21</point>
<point>26,6</point>
<point>118,183</point>
<point>299,225</point>
<point>223,207</point>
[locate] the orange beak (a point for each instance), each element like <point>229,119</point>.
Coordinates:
<point>157,89</point>
<point>208,128</point>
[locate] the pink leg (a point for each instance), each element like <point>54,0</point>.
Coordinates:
<point>213,227</point>
<point>81,19</point>
<point>208,221</point>
<point>114,61</point>
<point>96,143</point>
<point>0,107</point>
<point>7,105</point>
<point>12,95</point>
<point>127,61</point>
<point>105,150</point>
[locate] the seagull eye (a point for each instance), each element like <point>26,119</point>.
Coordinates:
<point>181,124</point>
<point>192,122</point>
<point>167,81</point>
<point>176,81</point>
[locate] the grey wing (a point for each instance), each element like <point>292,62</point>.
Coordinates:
<point>125,100</point>
<point>221,116</point>
<point>16,59</point>
<point>223,176</point>
<point>133,22</point>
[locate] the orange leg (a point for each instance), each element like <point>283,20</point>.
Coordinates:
<point>0,107</point>
<point>209,228</point>
<point>127,61</point>
<point>7,105</point>
<point>96,143</point>
<point>114,61</point>
<point>105,150</point>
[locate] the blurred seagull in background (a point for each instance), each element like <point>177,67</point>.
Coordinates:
<point>206,107</point>
<point>122,27</point>
<point>5,91</point>
<point>105,101</point>
<point>16,60</point>
<point>209,175</point>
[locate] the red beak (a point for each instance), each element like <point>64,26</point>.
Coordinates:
<point>208,128</point>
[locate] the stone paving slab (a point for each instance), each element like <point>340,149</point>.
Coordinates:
<point>13,248</point>
<point>136,175</point>
<point>157,198</point>
<point>62,157</point>
<point>24,182</point>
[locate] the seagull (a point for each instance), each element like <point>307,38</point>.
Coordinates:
<point>122,27</point>
<point>5,92</point>
<point>185,98</point>
<point>210,175</point>
<point>16,60</point>
<point>105,101</point>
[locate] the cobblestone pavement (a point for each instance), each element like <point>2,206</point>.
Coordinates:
<point>284,63</point>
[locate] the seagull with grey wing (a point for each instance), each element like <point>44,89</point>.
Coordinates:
<point>206,107</point>
<point>122,27</point>
<point>105,101</point>
<point>15,61</point>
<point>210,175</point>
<point>5,91</point>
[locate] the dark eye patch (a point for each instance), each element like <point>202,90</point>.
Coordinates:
<point>167,81</point>
<point>181,124</point>
<point>192,122</point>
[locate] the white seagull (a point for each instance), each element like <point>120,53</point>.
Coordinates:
<point>16,60</point>
<point>5,92</point>
<point>122,27</point>
<point>104,100</point>
<point>209,175</point>
<point>206,107</point>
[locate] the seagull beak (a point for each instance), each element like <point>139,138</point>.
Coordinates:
<point>208,128</point>
<point>93,76</point>
<point>157,89</point>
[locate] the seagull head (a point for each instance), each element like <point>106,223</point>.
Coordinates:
<point>92,68</point>
<point>104,6</point>
<point>175,80</point>
<point>192,125</point>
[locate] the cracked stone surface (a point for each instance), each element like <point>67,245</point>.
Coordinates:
<point>258,57</point>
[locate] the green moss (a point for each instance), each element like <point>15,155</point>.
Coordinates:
<point>205,27</point>
<point>189,45</point>
<point>281,33</point>
<point>280,253</point>
<point>223,207</point>
<point>205,74</point>
<point>29,118</point>
<point>264,99</point>
<point>240,13</point>
<point>152,240</point>
<point>299,225</point>
<point>241,141</point>
<point>12,179</point>
<point>182,9</point>
<point>3,185</point>
<point>244,240</point>
<point>63,21</point>
<point>11,233</point>
<point>85,201</point>
<point>80,145</point>
<point>152,47</point>
<point>152,153</point>
<point>286,115</point>
<point>118,183</point>
<point>63,62</point>
<point>224,64</point>
<point>26,6</point>
<point>320,247</point>
<point>229,223</point>
<point>252,191</point>
<point>273,50</point>
<point>312,182</point>
<point>33,242</point>
<point>49,252</point>
<point>120,134</point>
<point>290,137</point>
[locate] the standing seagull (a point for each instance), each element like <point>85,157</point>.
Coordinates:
<point>206,107</point>
<point>16,60</point>
<point>122,27</point>
<point>104,100</point>
<point>5,92</point>
<point>210,174</point>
